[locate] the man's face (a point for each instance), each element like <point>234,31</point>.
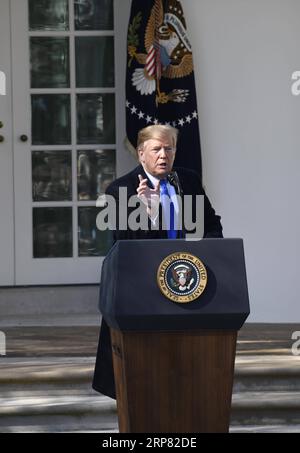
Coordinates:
<point>157,156</point>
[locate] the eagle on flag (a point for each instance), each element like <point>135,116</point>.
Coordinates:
<point>168,53</point>
<point>160,81</point>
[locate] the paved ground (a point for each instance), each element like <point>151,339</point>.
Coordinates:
<point>47,341</point>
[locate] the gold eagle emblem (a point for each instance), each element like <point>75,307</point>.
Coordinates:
<point>182,277</point>
<point>168,50</point>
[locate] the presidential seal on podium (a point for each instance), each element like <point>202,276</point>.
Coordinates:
<point>182,277</point>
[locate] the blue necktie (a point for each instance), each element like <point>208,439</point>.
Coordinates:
<point>168,209</point>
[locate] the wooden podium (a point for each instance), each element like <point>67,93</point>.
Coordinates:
<point>174,363</point>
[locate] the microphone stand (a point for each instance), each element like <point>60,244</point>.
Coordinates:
<point>173,179</point>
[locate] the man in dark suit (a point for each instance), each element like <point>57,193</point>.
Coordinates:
<point>156,150</point>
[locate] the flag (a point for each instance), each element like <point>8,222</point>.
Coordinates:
<point>160,82</point>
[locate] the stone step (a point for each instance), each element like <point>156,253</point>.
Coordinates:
<point>61,425</point>
<point>252,373</point>
<point>89,426</point>
<point>57,411</point>
<point>56,403</point>
<point>45,379</point>
<point>266,408</point>
<point>79,411</point>
<point>261,373</point>
<point>256,429</point>
<point>44,373</point>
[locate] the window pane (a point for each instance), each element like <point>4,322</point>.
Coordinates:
<point>51,176</point>
<point>95,118</point>
<point>93,14</point>
<point>96,170</point>
<point>49,58</point>
<point>51,119</point>
<point>91,241</point>
<point>52,232</point>
<point>48,15</point>
<point>96,54</point>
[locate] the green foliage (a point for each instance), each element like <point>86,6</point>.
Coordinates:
<point>133,37</point>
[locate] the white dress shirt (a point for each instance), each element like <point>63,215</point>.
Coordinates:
<point>173,195</point>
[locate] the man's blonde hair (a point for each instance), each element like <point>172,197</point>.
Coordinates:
<point>156,132</point>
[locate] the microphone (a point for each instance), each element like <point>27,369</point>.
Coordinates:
<point>174,181</point>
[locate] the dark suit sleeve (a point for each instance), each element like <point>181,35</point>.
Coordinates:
<point>116,233</point>
<point>212,222</point>
<point>129,182</point>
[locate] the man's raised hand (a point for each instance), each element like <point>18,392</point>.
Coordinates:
<point>150,197</point>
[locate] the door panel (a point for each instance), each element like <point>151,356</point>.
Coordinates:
<point>65,136</point>
<point>6,156</point>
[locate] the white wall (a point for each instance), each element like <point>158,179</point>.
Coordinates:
<point>245,53</point>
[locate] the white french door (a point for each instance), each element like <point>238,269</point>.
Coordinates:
<point>6,155</point>
<point>64,136</point>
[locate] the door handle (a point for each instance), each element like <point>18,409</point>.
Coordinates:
<point>23,138</point>
<point>1,139</point>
